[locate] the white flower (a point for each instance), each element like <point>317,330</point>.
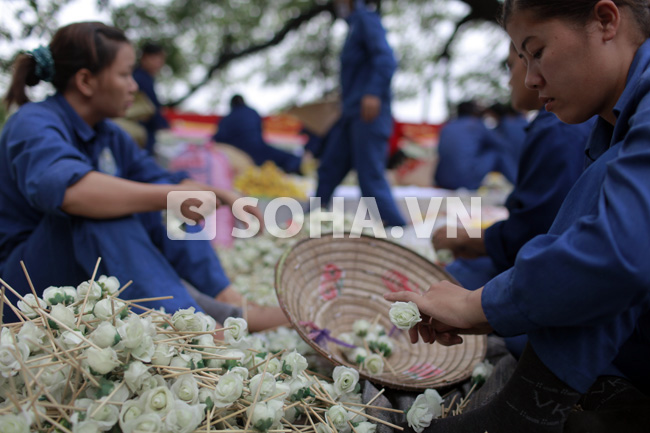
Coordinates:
<point>210,323</point>
<point>339,417</point>
<point>106,416</point>
<point>11,423</point>
<point>63,315</point>
<point>322,428</point>
<point>241,371</point>
<point>33,336</point>
<point>130,411</point>
<point>31,302</point>
<point>294,364</point>
<point>206,343</point>
<point>102,361</point>
<point>360,327</point>
<point>298,387</point>
<point>384,344</point>
<point>87,426</point>
<point>328,389</point>
<point>357,356</point>
<point>136,375</point>
<point>105,308</point>
<point>72,339</point>
<point>238,330</point>
<point>132,332</point>
<point>149,422</point>
<point>187,320</point>
<point>404,315</point>
<point>145,350</point>
<point>273,366</point>
<point>266,384</point>
<point>7,337</point>
<point>481,372</point>
<point>159,400</point>
<point>111,284</point>
<point>10,357</point>
<point>84,288</point>
<point>366,427</point>
<point>345,379</point>
<point>186,388</point>
<point>105,335</point>
<point>57,295</point>
<point>184,418</point>
<point>374,364</point>
<point>151,383</point>
<point>264,415</point>
<point>350,339</point>
<point>228,390</point>
<point>425,408</point>
<point>163,354</point>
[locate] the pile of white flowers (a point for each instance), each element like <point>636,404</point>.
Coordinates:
<point>372,346</point>
<point>81,361</point>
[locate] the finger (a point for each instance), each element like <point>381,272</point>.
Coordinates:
<point>413,334</point>
<point>427,333</point>
<point>405,296</point>
<point>448,339</point>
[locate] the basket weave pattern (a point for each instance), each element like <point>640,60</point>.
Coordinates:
<point>332,282</point>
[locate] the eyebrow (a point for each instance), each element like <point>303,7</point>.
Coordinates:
<point>523,44</point>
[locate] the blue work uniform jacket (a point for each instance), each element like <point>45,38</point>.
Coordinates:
<point>45,147</point>
<point>467,151</point>
<point>552,160</point>
<point>582,291</point>
<point>367,63</point>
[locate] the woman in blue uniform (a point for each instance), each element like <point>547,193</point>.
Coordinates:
<point>152,60</point>
<point>75,187</point>
<point>359,140</point>
<point>582,291</point>
<point>242,128</point>
<point>468,151</point>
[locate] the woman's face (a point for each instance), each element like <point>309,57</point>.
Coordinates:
<point>115,85</point>
<point>569,65</point>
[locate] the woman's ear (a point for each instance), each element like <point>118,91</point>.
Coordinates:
<point>85,81</point>
<point>608,18</point>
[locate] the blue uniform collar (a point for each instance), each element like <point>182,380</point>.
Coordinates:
<point>604,135</point>
<point>75,123</point>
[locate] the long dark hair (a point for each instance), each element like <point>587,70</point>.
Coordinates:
<point>89,45</point>
<point>575,10</point>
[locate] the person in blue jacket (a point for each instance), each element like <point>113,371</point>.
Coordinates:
<point>75,187</point>
<point>152,60</point>
<point>242,128</point>
<point>359,140</point>
<point>553,158</point>
<point>582,291</point>
<point>468,150</point>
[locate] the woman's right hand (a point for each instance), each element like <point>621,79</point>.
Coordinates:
<point>462,245</point>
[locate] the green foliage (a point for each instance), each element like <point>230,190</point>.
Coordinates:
<point>219,46</point>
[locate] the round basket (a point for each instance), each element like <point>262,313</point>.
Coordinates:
<point>324,285</point>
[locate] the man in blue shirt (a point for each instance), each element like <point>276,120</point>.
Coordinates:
<point>359,140</point>
<point>242,128</point>
<point>151,62</point>
<point>468,150</point>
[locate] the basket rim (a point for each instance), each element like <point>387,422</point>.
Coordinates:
<point>481,340</point>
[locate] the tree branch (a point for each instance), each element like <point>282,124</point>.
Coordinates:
<point>226,57</point>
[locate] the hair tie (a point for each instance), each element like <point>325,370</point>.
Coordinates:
<point>44,63</point>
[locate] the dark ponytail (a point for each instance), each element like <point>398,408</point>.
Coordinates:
<point>85,45</point>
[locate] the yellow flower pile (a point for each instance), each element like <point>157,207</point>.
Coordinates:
<point>268,181</point>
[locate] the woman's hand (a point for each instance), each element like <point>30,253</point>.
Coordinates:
<point>447,310</point>
<point>462,246</point>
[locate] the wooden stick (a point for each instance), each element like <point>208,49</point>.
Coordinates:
<point>90,288</point>
<point>376,419</point>
<point>103,403</point>
<point>116,294</point>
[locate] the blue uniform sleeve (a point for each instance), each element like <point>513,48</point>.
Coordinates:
<point>552,161</point>
<point>380,53</point>
<point>44,163</point>
<point>596,268</point>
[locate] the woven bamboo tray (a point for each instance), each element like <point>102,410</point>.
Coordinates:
<point>333,282</point>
